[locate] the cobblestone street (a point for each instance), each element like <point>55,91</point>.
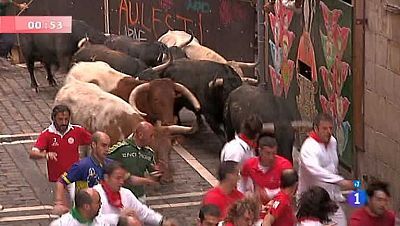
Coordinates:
<point>25,193</point>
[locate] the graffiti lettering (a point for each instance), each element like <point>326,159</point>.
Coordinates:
<point>198,6</point>
<point>135,33</point>
<point>150,19</point>
<point>166,4</point>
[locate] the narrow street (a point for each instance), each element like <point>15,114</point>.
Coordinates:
<point>25,193</point>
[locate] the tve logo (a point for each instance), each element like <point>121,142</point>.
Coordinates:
<point>358,197</point>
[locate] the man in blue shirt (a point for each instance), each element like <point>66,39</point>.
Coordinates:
<point>86,173</point>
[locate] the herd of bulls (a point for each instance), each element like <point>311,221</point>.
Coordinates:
<point>116,82</point>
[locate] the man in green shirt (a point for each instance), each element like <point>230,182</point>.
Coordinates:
<point>138,158</point>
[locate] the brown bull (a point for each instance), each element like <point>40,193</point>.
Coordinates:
<point>155,98</point>
<point>98,110</point>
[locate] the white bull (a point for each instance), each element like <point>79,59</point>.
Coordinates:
<point>97,110</point>
<point>195,51</point>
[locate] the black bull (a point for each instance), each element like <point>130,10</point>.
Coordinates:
<point>6,44</point>
<point>209,81</point>
<point>280,116</point>
<point>118,60</point>
<point>149,53</point>
<point>55,49</point>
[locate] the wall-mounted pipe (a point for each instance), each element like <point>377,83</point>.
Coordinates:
<point>106,18</point>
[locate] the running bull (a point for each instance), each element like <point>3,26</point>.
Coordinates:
<point>120,61</point>
<point>96,109</point>
<point>55,49</point>
<point>209,81</point>
<point>280,116</point>
<point>156,98</point>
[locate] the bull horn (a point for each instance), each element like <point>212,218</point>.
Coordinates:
<point>82,42</point>
<point>164,65</point>
<point>301,124</point>
<point>250,81</point>
<point>187,43</point>
<point>189,95</point>
<point>175,129</point>
<point>243,64</point>
<point>216,82</point>
<point>268,128</point>
<point>133,96</point>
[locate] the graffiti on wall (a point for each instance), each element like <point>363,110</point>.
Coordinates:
<point>282,70</point>
<point>135,33</point>
<point>166,4</point>
<point>335,73</point>
<point>152,19</point>
<point>198,6</point>
<point>231,11</point>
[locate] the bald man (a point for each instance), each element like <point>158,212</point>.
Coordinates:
<point>86,173</point>
<point>86,211</point>
<point>137,157</point>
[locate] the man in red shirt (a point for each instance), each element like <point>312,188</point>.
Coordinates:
<point>281,212</point>
<point>225,194</point>
<point>376,211</point>
<point>59,143</point>
<point>262,174</point>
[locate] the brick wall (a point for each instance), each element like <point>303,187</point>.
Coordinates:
<point>381,158</point>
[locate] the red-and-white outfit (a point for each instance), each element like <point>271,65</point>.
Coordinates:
<point>267,178</point>
<point>239,150</point>
<point>219,198</point>
<point>281,208</point>
<point>65,145</point>
<point>318,166</point>
<point>113,202</point>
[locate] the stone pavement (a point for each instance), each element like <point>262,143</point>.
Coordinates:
<point>24,182</point>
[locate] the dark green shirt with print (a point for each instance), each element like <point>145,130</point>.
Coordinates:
<point>135,159</point>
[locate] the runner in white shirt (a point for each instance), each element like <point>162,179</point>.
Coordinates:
<point>244,145</point>
<point>86,212</point>
<point>318,165</point>
<point>115,198</point>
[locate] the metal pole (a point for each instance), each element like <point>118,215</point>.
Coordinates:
<point>261,42</point>
<point>106,18</point>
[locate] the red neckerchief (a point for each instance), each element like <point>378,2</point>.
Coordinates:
<point>308,218</point>
<point>315,136</point>
<point>114,198</point>
<point>249,142</point>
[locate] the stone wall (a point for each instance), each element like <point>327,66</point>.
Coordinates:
<point>381,158</point>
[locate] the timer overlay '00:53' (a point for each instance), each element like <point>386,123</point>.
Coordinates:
<point>35,24</point>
